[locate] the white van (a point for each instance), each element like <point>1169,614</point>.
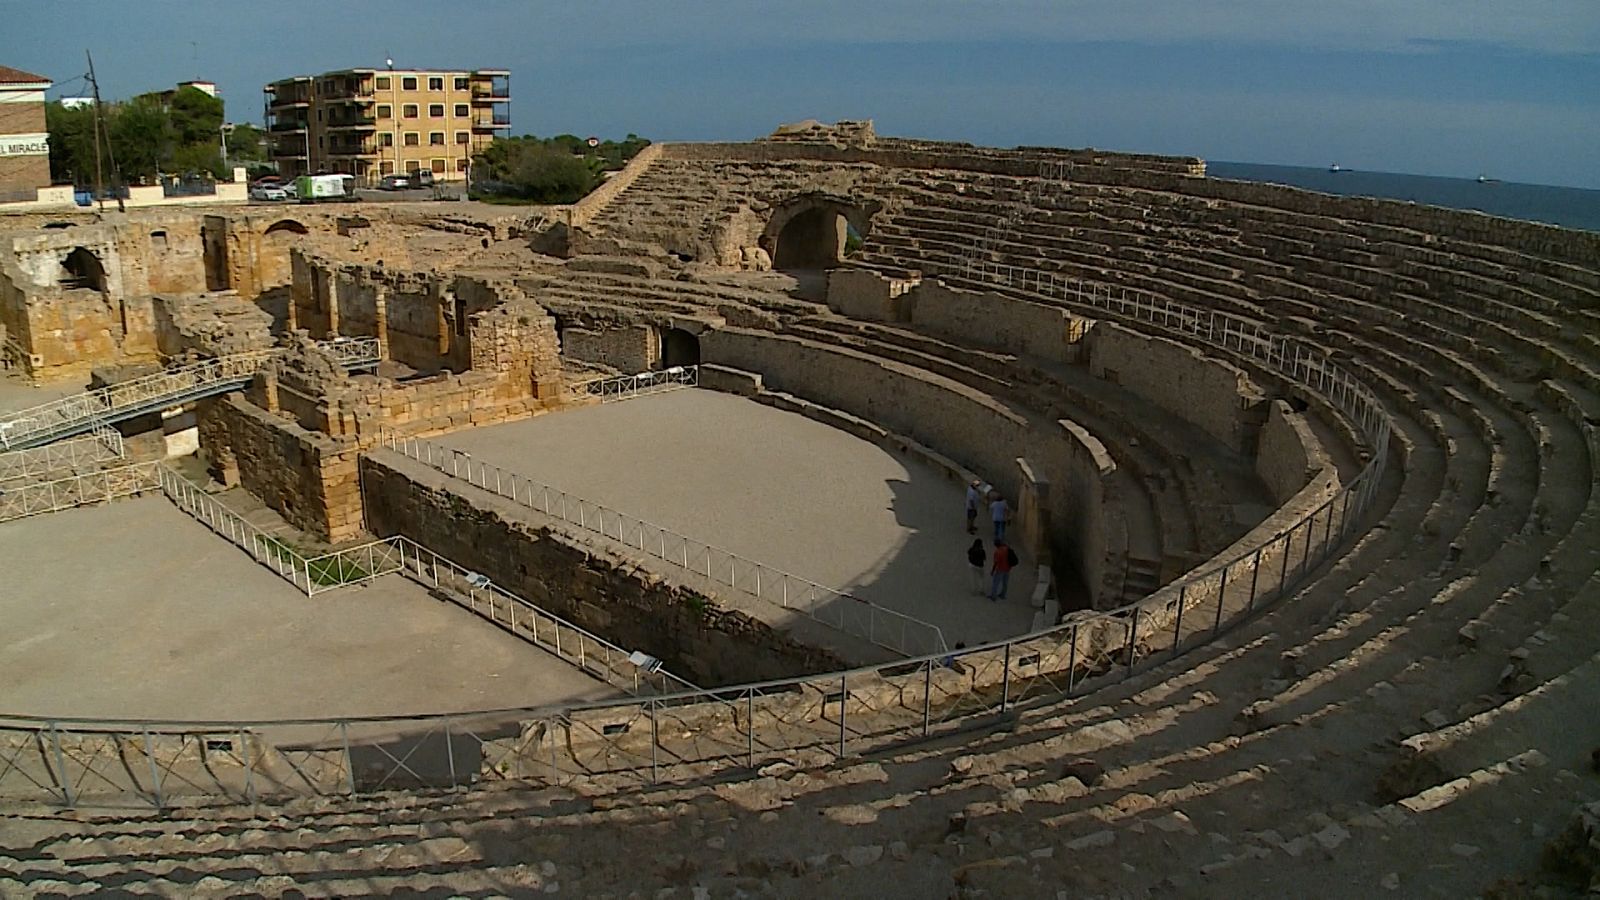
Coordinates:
<point>316,188</point>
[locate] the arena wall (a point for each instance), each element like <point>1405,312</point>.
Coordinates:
<point>995,321</point>
<point>1289,454</point>
<point>1214,395</point>
<point>608,595</point>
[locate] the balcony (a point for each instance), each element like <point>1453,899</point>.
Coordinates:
<point>498,122</point>
<point>359,123</point>
<point>491,90</point>
<point>286,127</point>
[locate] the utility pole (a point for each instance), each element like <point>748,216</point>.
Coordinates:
<point>99,176</point>
<point>100,125</point>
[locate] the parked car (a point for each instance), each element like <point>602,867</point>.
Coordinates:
<point>268,192</point>
<point>394,183</point>
<point>421,178</point>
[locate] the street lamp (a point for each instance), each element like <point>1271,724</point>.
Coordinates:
<point>227,129</point>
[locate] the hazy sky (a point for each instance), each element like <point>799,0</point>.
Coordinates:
<point>1443,87</point>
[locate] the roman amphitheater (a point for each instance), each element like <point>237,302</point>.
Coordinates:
<point>617,549</point>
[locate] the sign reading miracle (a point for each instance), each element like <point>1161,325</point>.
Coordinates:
<point>24,144</point>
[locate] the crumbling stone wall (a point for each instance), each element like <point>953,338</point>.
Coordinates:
<point>209,325</point>
<point>309,478</point>
<point>626,348</point>
<point>600,592</point>
<point>1289,454</point>
<point>981,319</point>
<point>1215,395</point>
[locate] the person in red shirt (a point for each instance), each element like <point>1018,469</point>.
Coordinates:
<point>1005,559</point>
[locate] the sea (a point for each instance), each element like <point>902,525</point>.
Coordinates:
<point>1564,206</point>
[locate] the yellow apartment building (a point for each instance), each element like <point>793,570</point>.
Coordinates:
<point>375,122</point>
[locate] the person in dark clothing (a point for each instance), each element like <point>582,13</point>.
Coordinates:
<point>976,557</point>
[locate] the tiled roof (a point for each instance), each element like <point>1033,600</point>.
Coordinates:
<point>9,75</point>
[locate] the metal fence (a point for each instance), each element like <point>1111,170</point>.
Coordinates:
<point>103,444</point>
<point>634,673</point>
<point>696,733</point>
<point>35,498</point>
<point>626,387</point>
<point>400,555</point>
<point>746,578</point>
<point>72,415</point>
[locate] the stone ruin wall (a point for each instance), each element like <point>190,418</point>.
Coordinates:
<point>64,331</point>
<point>595,589</point>
<point>292,438</point>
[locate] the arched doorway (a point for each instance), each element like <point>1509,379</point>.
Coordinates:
<point>285,226</point>
<point>679,348</point>
<point>82,269</point>
<point>816,231</point>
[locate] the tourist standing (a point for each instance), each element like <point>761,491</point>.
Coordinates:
<point>974,501</point>
<point>975,560</point>
<point>1000,513</point>
<point>1004,559</point>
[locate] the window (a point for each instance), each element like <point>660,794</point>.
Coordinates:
<point>438,166</point>
<point>386,139</point>
<point>461,82</point>
<point>383,82</point>
<point>435,110</point>
<point>408,83</point>
<point>385,168</point>
<point>412,139</point>
<point>409,110</point>
<point>463,137</point>
<point>461,164</point>
<point>462,111</point>
<point>384,111</point>
<point>436,139</point>
<point>436,83</point>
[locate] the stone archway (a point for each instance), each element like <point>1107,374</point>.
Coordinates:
<point>813,231</point>
<point>81,269</point>
<point>679,348</point>
<point>285,226</point>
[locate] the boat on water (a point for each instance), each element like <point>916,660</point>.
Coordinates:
<point>1336,168</point>
<point>1484,179</point>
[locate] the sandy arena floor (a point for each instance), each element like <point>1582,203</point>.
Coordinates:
<point>135,610</point>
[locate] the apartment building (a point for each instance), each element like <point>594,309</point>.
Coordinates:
<point>24,143</point>
<point>375,122</point>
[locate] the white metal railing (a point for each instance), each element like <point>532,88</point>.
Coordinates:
<point>747,579</point>
<point>70,415</point>
<point>35,498</point>
<point>102,444</point>
<point>315,575</point>
<point>626,387</point>
<point>264,548</point>
<point>634,673</point>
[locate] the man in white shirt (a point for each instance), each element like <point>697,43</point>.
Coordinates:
<point>974,502</point>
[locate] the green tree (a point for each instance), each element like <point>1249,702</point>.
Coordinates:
<point>71,143</point>
<point>558,169</point>
<point>245,145</point>
<point>142,136</point>
<point>196,117</point>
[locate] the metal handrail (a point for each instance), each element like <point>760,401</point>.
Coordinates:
<point>60,418</point>
<point>351,566</point>
<point>590,652</point>
<point>904,634</point>
<point>102,444</point>
<point>36,498</point>
<point>625,387</point>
